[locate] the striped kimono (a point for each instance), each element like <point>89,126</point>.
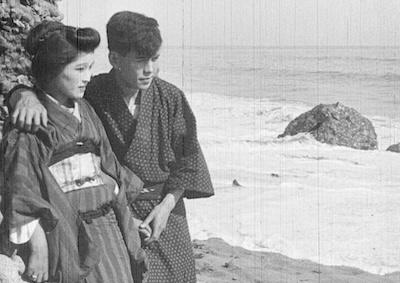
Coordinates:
<point>161,147</point>
<point>79,196</point>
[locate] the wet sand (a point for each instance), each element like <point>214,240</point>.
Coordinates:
<point>216,261</point>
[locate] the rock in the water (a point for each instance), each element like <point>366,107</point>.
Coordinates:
<point>235,183</point>
<point>335,124</point>
<point>394,148</point>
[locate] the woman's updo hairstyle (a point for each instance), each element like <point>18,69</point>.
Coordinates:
<point>53,45</point>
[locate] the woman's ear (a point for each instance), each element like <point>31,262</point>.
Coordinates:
<point>115,60</point>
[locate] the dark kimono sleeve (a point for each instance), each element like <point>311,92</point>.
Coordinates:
<point>25,197</point>
<point>189,174</point>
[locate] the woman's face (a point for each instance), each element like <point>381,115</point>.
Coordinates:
<point>137,72</point>
<point>71,82</point>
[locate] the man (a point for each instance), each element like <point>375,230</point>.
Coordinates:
<point>152,131</point>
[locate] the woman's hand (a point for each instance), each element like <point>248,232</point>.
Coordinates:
<point>38,266</point>
<point>29,113</point>
<point>158,218</point>
<point>145,231</point>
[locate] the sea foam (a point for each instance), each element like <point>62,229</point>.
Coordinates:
<point>330,204</point>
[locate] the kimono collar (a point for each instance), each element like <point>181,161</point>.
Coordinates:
<point>120,112</point>
<point>60,116</point>
<point>73,110</point>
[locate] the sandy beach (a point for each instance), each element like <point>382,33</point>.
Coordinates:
<point>216,262</point>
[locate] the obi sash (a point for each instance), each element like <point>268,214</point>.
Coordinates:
<point>76,166</point>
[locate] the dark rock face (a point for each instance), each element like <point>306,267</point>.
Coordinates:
<point>394,147</point>
<point>335,124</point>
<point>17,17</point>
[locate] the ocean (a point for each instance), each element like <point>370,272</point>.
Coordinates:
<point>367,79</point>
<point>304,199</point>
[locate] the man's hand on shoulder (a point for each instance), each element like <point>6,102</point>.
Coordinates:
<point>29,113</point>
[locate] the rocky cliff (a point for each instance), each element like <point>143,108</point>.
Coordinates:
<point>16,19</point>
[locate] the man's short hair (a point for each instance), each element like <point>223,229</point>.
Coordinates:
<point>128,31</point>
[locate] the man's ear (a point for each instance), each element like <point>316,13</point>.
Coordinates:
<point>115,59</point>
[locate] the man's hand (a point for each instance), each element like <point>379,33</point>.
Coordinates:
<point>158,218</point>
<point>29,113</point>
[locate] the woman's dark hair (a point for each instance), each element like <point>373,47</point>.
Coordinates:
<point>53,45</point>
<point>128,31</point>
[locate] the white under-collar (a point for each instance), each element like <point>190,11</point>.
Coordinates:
<point>130,101</point>
<point>73,110</point>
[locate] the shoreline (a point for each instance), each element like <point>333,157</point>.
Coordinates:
<point>217,262</point>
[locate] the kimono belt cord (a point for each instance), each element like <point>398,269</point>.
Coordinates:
<point>102,210</point>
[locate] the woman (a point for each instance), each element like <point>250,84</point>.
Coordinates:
<point>65,190</point>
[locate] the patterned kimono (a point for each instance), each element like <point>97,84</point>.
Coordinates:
<point>66,176</point>
<point>161,147</point>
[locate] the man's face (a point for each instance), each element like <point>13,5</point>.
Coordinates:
<point>138,72</point>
